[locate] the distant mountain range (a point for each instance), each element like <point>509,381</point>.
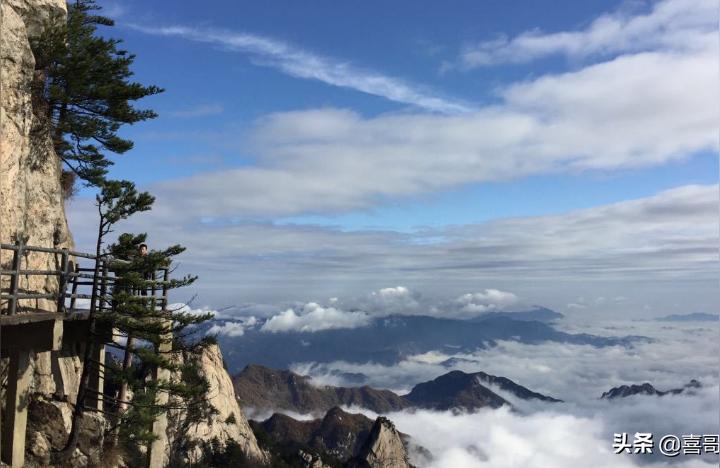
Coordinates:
<point>694,317</point>
<point>388,340</point>
<point>268,389</point>
<point>647,389</point>
<point>539,314</point>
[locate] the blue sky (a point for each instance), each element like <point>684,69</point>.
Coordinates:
<point>209,87</point>
<point>417,118</point>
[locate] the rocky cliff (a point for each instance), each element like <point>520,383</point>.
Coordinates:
<point>383,448</point>
<point>227,425</point>
<point>31,196</point>
<point>337,439</point>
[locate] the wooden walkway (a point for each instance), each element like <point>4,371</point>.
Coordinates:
<point>33,320</point>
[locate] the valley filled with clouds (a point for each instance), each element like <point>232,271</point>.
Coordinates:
<point>578,431</point>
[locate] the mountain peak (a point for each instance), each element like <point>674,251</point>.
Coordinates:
<point>383,447</point>
<point>456,389</point>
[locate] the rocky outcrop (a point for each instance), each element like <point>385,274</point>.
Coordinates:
<point>624,391</point>
<point>48,429</point>
<point>339,434</point>
<point>337,439</point>
<point>262,388</point>
<point>227,424</point>
<point>383,448</point>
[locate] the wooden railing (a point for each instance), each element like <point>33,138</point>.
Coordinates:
<point>76,279</point>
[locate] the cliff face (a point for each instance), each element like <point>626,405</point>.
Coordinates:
<point>31,199</point>
<point>384,447</point>
<point>228,424</point>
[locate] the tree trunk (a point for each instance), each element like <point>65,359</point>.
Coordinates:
<point>72,441</point>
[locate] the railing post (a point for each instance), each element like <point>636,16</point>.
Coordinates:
<point>103,286</point>
<point>15,280</point>
<point>73,291</point>
<point>62,281</point>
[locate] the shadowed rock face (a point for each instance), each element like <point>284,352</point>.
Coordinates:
<point>454,390</point>
<point>458,389</point>
<point>267,389</point>
<point>48,428</point>
<point>624,391</point>
<point>338,439</point>
<point>383,447</point>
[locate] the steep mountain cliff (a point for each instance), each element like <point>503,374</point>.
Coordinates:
<point>227,425</point>
<point>30,191</point>
<point>31,196</point>
<point>383,448</point>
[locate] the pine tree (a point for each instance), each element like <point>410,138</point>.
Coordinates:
<point>146,323</point>
<point>83,87</point>
<point>146,318</point>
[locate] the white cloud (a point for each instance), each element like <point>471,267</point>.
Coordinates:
<point>300,63</point>
<point>651,103</point>
<point>577,374</point>
<point>673,25</point>
<point>391,300</point>
<point>485,301</point>
<point>634,111</point>
<point>232,329</point>
<point>503,439</point>
<point>184,308</point>
<point>664,245</point>
<point>313,317</point>
<point>576,433</point>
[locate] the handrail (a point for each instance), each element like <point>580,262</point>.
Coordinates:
<point>70,276</point>
<point>67,274</point>
<point>32,248</point>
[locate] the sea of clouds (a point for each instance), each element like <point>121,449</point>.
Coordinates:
<point>578,432</point>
